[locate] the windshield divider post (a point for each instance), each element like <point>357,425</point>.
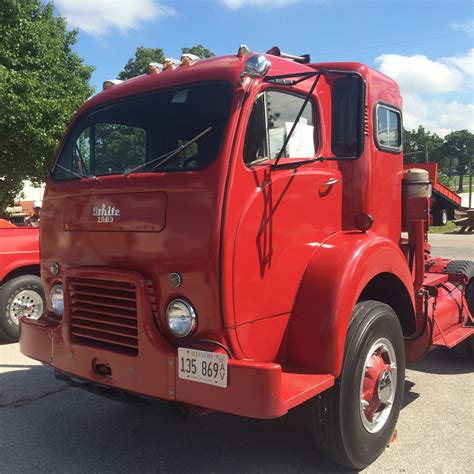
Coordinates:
<point>92,139</point>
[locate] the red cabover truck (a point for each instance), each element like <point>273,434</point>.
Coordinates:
<point>21,290</point>
<point>226,235</point>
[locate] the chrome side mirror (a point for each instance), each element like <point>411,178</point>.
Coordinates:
<point>256,66</point>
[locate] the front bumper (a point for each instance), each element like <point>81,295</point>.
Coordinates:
<point>255,389</point>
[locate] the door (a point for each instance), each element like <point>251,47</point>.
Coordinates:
<point>282,215</point>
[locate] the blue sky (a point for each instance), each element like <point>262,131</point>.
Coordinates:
<point>427,46</point>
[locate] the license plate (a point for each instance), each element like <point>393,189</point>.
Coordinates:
<point>202,366</point>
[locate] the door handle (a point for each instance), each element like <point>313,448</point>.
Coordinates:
<point>330,182</point>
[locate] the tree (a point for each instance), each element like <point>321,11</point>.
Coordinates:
<point>42,83</point>
<point>144,56</point>
<point>457,149</point>
<point>139,64</point>
<point>415,144</point>
<point>199,50</point>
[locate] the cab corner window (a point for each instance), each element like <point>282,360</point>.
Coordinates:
<point>388,131</point>
<point>272,118</point>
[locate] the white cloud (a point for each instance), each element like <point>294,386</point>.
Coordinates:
<point>98,17</point>
<point>465,63</point>
<point>418,74</point>
<point>423,83</point>
<point>236,4</point>
<point>466,26</point>
<point>436,115</point>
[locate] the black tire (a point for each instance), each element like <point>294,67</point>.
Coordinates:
<point>466,268</point>
<point>9,326</point>
<point>339,431</point>
<point>440,217</point>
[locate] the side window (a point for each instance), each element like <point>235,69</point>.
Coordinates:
<point>271,120</point>
<point>347,116</point>
<point>388,128</point>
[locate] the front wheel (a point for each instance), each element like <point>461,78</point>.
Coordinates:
<point>21,296</point>
<point>354,420</point>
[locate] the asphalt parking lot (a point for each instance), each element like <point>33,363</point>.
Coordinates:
<point>46,426</point>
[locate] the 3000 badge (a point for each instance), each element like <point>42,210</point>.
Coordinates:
<point>202,366</point>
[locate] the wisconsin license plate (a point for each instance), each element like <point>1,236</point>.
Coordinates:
<point>202,366</point>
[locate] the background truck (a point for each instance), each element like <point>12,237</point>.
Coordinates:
<point>227,235</point>
<point>444,201</point>
<point>21,290</point>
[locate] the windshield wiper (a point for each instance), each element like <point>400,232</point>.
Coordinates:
<point>144,165</point>
<point>165,157</point>
<point>79,175</point>
<point>176,152</point>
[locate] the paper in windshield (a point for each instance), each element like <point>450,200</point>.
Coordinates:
<point>301,144</point>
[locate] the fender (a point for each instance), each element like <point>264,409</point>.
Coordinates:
<point>18,264</point>
<point>333,281</point>
<point>19,247</point>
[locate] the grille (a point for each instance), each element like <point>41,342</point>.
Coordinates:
<point>103,314</point>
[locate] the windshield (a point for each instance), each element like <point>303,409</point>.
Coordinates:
<point>132,133</point>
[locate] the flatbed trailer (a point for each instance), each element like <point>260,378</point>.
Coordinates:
<point>444,201</point>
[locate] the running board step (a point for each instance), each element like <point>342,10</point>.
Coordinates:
<point>299,387</point>
<point>453,336</point>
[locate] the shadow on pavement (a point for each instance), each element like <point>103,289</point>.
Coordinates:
<point>442,361</point>
<point>70,430</point>
<point>409,396</point>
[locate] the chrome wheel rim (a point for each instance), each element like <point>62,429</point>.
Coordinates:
<point>26,303</point>
<point>378,385</point>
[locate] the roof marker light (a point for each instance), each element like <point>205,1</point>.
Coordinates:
<point>155,68</point>
<point>110,83</point>
<point>187,59</point>
<point>243,51</point>
<point>170,64</point>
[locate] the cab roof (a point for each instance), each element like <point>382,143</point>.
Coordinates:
<point>224,68</point>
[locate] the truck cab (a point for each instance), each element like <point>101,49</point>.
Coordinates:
<point>227,235</point>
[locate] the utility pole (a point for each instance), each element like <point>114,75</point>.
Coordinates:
<point>426,151</point>
<point>470,181</point>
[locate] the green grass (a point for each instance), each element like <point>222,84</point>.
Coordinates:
<point>454,183</point>
<point>444,229</point>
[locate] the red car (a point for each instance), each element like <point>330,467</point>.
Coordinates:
<point>21,290</point>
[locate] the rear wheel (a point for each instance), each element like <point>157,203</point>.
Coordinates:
<point>354,420</point>
<point>440,217</point>
<point>21,296</point>
<point>466,268</point>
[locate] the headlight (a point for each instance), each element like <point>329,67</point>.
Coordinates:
<point>181,317</point>
<point>56,297</point>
